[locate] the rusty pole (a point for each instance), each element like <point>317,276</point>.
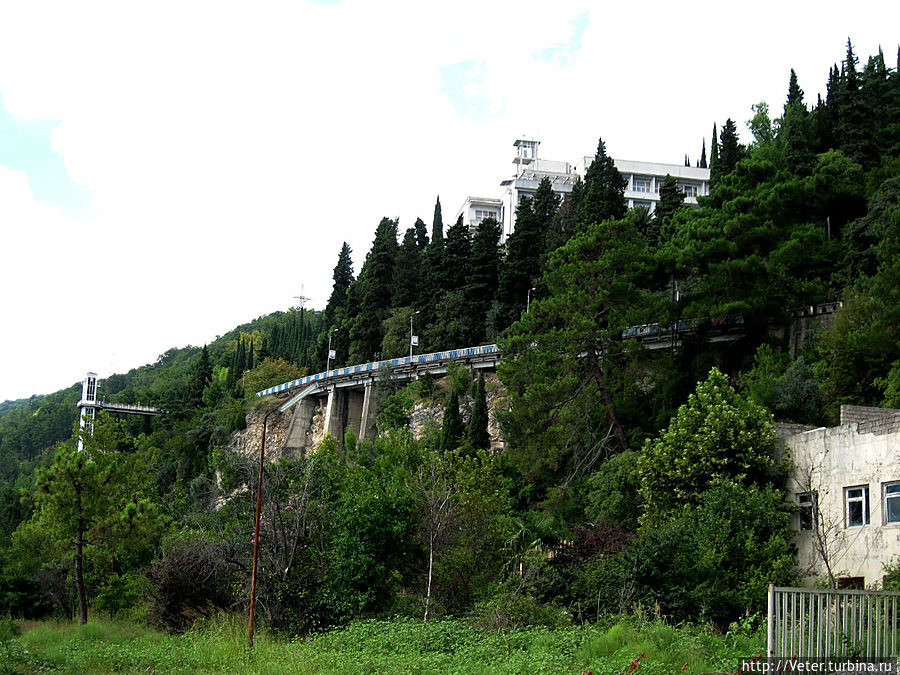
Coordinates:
<point>262,453</point>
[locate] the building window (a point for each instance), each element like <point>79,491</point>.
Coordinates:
<point>689,190</point>
<point>857,502</point>
<point>892,502</point>
<point>807,503</point>
<point>481,215</point>
<point>641,184</point>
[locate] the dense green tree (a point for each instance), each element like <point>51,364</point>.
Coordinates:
<point>200,379</point>
<point>716,558</point>
<point>796,129</point>
<point>559,358</point>
<point>342,277</point>
<point>93,497</point>
<point>479,438</point>
<point>376,291</point>
<point>483,280</point>
<point>452,427</point>
<point>604,190</point>
<point>714,155</point>
<point>717,435</point>
<point>703,163</point>
<point>522,267</point>
<point>408,271</point>
<point>671,198</point>
<point>421,234</point>
<point>457,251</point>
<point>730,152</point>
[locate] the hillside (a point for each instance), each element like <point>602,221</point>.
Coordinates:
<point>579,510</point>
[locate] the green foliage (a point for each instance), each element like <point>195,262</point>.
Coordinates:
<point>557,356</point>
<point>715,557</point>
<point>397,645</point>
<point>718,435</point>
<point>479,437</point>
<point>268,373</point>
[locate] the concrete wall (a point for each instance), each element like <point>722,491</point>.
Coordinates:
<point>827,461</point>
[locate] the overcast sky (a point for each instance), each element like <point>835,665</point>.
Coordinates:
<point>169,170</point>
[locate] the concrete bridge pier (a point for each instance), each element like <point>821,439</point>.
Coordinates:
<point>296,437</point>
<point>351,407</point>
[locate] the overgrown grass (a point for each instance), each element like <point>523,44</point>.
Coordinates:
<point>397,646</point>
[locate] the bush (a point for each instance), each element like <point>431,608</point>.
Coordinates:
<point>189,582</point>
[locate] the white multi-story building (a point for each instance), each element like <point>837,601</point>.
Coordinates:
<point>845,482</point>
<point>646,178</point>
<point>644,181</point>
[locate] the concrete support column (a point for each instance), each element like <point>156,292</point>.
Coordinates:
<point>334,414</point>
<point>296,437</point>
<point>367,418</point>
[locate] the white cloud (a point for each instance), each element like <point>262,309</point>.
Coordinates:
<point>231,148</point>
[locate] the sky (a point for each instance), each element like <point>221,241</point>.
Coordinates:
<point>170,170</point>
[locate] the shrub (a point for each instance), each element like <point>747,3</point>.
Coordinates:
<point>190,581</point>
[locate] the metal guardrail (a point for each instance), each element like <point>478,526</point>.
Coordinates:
<point>809,623</point>
<point>376,366</point>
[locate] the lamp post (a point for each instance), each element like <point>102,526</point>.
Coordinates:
<point>330,353</point>
<point>528,299</point>
<point>411,333</point>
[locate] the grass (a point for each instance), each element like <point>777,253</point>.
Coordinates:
<point>396,646</point>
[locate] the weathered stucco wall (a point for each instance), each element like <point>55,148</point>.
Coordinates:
<point>827,462</point>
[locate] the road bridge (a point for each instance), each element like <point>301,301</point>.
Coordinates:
<point>350,391</point>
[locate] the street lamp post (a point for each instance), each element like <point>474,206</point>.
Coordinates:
<point>528,299</point>
<point>330,353</point>
<point>411,334</point>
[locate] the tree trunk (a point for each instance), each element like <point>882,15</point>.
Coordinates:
<point>606,400</point>
<point>430,567</point>
<point>79,571</point>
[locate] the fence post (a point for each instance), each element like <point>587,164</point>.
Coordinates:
<point>770,629</point>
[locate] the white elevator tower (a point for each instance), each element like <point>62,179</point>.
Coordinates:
<point>87,406</point>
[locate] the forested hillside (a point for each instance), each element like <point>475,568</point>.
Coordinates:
<point>622,463</point>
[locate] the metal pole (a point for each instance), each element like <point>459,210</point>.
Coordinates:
<point>328,359</point>
<point>262,453</point>
<point>770,628</point>
<point>411,333</point>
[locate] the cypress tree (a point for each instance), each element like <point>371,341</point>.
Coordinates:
<point>437,222</point>
<point>421,234</point>
<point>714,157</point>
<point>521,268</point>
<point>604,190</point>
<point>343,277</point>
<point>484,267</point>
<point>479,438</point>
<point>376,292</point>
<point>200,379</point>
<point>795,129</point>
<point>703,164</point>
<point>671,198</point>
<point>407,273</point>
<point>730,151</point>
<point>457,249</point>
<point>452,428</point>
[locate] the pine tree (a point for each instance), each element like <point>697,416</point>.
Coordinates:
<point>479,438</point>
<point>604,190</point>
